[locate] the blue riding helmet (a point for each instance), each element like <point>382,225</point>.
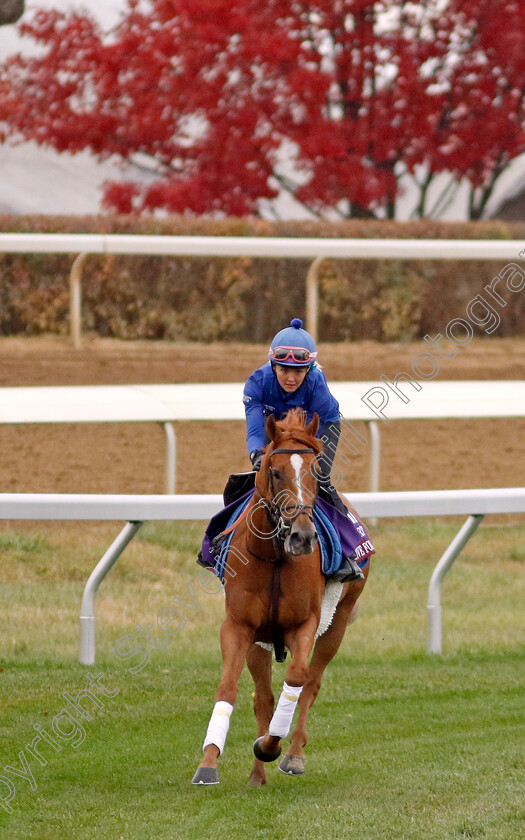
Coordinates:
<point>293,346</point>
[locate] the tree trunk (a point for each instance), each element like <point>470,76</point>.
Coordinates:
<point>11,11</point>
<point>359,212</point>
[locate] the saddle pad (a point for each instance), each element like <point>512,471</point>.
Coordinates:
<point>217,525</point>
<point>350,531</point>
<point>221,557</point>
<point>331,596</point>
<point>329,542</point>
<point>339,536</point>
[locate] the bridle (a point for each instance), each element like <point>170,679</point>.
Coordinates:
<point>276,513</point>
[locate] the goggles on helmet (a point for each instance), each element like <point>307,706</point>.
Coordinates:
<point>299,355</point>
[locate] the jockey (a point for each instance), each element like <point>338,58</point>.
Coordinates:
<point>293,379</point>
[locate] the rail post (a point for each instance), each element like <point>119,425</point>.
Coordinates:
<point>87,612</point>
<point>75,299</point>
<point>434,588</point>
<point>312,298</point>
<point>171,455</point>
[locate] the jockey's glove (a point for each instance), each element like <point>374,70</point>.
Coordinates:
<point>256,458</point>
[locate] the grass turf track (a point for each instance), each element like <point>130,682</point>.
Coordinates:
<point>402,745</point>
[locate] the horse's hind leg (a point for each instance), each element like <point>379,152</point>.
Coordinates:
<point>259,662</point>
<point>324,651</point>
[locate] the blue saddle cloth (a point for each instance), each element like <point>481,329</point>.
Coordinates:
<point>220,558</point>
<point>329,542</point>
<point>344,536</point>
<point>339,536</point>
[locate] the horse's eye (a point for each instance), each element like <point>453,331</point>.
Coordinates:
<point>278,474</point>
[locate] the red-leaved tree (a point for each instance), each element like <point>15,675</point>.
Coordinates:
<point>229,102</point>
<point>481,127</point>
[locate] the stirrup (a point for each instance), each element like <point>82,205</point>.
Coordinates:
<point>349,570</point>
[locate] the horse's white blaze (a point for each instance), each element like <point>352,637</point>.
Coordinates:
<point>297,463</point>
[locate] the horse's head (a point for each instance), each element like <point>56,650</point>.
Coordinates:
<point>287,479</point>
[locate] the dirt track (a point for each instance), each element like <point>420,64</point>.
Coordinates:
<point>129,458</point>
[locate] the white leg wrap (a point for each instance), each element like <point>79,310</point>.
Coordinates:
<point>218,725</point>
<point>282,717</point>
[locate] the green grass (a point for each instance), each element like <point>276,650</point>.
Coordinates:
<point>401,744</point>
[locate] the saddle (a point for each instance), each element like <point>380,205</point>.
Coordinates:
<point>340,535</point>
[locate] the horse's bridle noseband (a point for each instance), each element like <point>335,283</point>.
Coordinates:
<point>275,512</point>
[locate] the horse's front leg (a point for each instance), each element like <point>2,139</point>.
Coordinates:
<point>235,642</point>
<point>300,642</point>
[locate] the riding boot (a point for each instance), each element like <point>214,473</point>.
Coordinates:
<point>347,571</point>
<point>349,568</point>
<point>328,492</point>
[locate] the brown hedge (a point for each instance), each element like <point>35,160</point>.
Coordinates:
<point>197,299</point>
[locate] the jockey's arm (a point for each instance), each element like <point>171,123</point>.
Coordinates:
<point>329,434</point>
<point>255,419</point>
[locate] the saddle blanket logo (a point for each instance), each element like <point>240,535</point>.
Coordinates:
<point>364,549</point>
<point>359,528</point>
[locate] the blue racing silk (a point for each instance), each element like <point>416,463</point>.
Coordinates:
<point>264,396</point>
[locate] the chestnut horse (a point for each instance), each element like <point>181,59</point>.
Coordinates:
<point>273,595</point>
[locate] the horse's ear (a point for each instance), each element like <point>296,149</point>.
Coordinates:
<point>271,428</point>
<point>313,427</point>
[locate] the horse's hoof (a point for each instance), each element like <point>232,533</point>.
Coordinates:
<point>292,765</point>
<point>262,754</point>
<point>206,776</point>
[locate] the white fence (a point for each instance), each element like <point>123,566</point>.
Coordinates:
<point>83,244</point>
<point>135,510</point>
<point>165,404</point>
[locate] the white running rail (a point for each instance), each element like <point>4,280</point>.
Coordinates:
<point>166,404</point>
<point>135,510</point>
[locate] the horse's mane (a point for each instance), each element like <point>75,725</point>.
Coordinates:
<point>293,428</point>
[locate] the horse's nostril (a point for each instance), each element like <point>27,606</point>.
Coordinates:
<point>302,543</point>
